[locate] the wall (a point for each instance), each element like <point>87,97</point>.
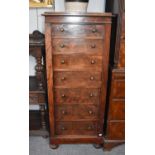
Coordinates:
<point>36,22</point>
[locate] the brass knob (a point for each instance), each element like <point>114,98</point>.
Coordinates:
<point>63,128</point>
<point>63,112</point>
<point>92,78</point>
<point>93,46</point>
<point>62,29</point>
<point>92,61</point>
<point>62,61</point>
<point>89,128</point>
<point>63,95</point>
<point>63,78</point>
<point>90,112</point>
<point>91,94</point>
<point>94,30</point>
<point>62,45</point>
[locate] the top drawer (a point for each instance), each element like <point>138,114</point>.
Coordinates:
<point>73,30</point>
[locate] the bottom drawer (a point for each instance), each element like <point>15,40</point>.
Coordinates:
<point>76,128</point>
<point>116,130</point>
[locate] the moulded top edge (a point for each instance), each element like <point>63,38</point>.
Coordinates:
<point>106,14</point>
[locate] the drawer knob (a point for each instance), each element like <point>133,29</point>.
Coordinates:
<point>62,61</point>
<point>94,30</point>
<point>91,94</point>
<point>90,112</point>
<point>63,112</point>
<point>89,128</point>
<point>62,29</point>
<point>93,46</point>
<point>63,78</point>
<point>92,78</point>
<point>63,128</point>
<point>92,61</point>
<point>63,95</point>
<point>62,45</point>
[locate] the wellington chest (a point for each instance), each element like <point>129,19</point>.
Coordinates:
<point>77,56</point>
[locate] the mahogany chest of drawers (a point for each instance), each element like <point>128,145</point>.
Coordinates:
<point>77,56</point>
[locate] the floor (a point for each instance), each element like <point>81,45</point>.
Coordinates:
<point>40,146</point>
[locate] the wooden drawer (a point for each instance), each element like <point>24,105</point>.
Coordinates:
<point>116,130</point>
<point>73,30</point>
<point>117,110</point>
<point>78,62</point>
<point>122,54</point>
<point>118,89</point>
<point>76,96</point>
<point>77,79</point>
<point>76,112</point>
<point>37,98</point>
<point>33,98</point>
<point>91,46</point>
<point>76,128</point>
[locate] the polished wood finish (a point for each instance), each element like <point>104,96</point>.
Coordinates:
<point>117,110</point>
<point>77,79</point>
<point>76,128</point>
<point>77,56</point>
<point>78,31</point>
<point>76,96</point>
<point>87,46</point>
<point>37,89</point>
<point>76,112</point>
<point>78,61</point>
<point>114,128</point>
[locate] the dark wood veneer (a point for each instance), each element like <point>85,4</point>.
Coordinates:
<point>77,56</point>
<point>37,89</point>
<point>114,129</point>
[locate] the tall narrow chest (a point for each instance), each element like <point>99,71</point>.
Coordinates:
<point>77,56</point>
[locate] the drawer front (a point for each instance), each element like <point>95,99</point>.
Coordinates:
<point>76,112</point>
<point>85,128</point>
<point>33,98</point>
<point>63,128</point>
<point>77,79</point>
<point>122,54</point>
<point>37,98</point>
<point>116,130</point>
<point>73,30</point>
<point>90,46</point>
<point>76,96</point>
<point>76,128</point>
<point>78,62</point>
<point>118,90</point>
<point>117,110</point>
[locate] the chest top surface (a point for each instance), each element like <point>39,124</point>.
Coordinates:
<point>80,18</point>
